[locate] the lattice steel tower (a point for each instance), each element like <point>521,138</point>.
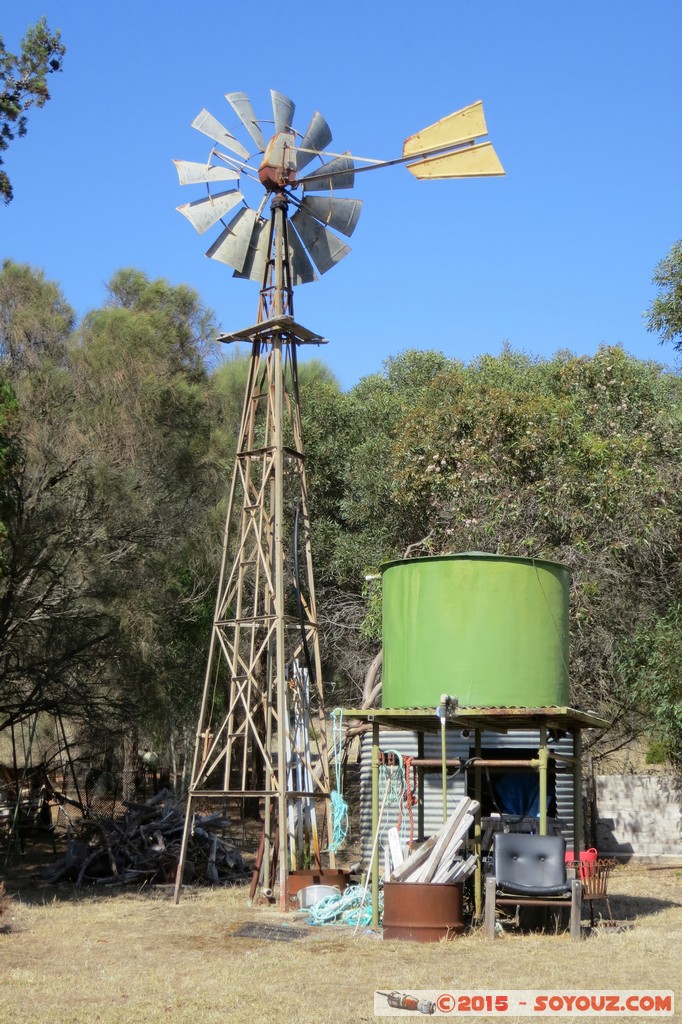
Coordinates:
<point>260,733</point>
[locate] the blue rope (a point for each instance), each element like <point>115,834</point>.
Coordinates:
<point>339,807</point>
<point>349,907</point>
<point>392,783</point>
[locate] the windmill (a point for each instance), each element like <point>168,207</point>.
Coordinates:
<point>261,731</point>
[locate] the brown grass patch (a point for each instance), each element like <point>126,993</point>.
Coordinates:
<point>5,901</point>
<point>132,957</point>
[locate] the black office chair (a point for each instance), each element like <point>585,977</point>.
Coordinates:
<point>530,870</point>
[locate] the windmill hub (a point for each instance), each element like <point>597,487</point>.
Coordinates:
<point>278,166</point>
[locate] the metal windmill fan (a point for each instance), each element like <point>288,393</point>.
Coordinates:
<point>446,149</point>
<point>245,241</point>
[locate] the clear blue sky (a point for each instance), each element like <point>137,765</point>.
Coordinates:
<point>583,107</point>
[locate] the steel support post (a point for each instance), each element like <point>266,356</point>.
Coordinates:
<point>420,788</point>
<point>478,845</point>
<point>577,793</point>
<point>444,768</point>
<point>543,758</point>
<point>375,825</point>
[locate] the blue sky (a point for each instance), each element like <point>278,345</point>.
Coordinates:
<point>583,106</point>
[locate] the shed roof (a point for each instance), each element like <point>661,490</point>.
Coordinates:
<point>495,719</point>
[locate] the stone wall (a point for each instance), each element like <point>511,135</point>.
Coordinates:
<point>639,816</point>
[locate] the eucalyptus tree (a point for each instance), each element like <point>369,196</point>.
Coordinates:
<point>105,575</point>
<point>664,316</point>
<point>577,459</point>
<point>145,407</point>
<point>53,629</point>
<point>23,84</point>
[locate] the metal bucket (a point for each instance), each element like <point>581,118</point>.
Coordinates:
<point>312,894</point>
<point>422,912</point>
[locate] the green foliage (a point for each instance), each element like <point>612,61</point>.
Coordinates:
<point>23,84</point>
<point>51,627</point>
<point>107,567</point>
<point>146,409</point>
<point>664,315</point>
<point>8,456</point>
<point>116,449</point>
<point>652,668</point>
<point>35,320</point>
<point>574,459</point>
<point>658,752</point>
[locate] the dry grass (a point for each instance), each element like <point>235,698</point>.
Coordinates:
<point>138,958</point>
<point>5,900</point>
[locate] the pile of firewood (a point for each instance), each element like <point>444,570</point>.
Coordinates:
<point>438,859</point>
<point>143,846</point>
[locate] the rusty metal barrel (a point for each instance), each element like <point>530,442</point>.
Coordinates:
<point>425,912</point>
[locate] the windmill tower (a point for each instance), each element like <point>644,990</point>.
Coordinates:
<point>260,732</point>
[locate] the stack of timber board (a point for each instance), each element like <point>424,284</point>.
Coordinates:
<point>437,860</point>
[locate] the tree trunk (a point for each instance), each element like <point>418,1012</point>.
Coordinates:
<point>130,764</point>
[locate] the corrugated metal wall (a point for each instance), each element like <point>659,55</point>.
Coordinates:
<point>405,743</point>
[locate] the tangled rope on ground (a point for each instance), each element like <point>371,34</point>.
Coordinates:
<point>353,906</point>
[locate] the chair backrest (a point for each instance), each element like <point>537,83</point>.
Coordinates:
<point>530,865</point>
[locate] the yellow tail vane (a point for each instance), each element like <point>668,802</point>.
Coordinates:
<point>479,161</point>
<point>464,125</point>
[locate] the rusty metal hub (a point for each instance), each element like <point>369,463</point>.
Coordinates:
<point>278,166</point>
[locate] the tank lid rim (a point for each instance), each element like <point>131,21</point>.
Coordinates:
<point>476,556</point>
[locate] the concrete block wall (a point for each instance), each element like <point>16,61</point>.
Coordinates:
<point>639,816</point>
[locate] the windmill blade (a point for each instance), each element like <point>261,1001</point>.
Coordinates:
<point>232,245</point>
<point>204,213</point>
<point>324,247</point>
<point>257,253</point>
<point>479,161</point>
<point>241,104</point>
<point>301,268</point>
<point>340,214</point>
<point>338,173</point>
<point>190,173</point>
<point>317,137</point>
<point>283,111</point>
<point>464,125</point>
<point>207,125</point>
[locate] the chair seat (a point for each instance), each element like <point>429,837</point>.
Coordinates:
<point>517,889</point>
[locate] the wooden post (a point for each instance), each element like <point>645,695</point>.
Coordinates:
<point>490,907</point>
<point>576,908</point>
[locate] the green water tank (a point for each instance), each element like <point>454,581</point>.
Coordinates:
<point>489,630</point>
